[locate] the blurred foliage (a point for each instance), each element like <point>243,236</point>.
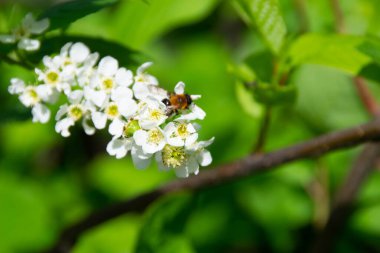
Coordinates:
<point>218,48</point>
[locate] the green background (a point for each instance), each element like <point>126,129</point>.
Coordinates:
<point>48,182</point>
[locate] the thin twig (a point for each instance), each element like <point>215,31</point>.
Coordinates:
<point>12,61</point>
<point>338,16</point>
<point>343,205</point>
<point>250,165</point>
<point>366,97</point>
<point>300,10</point>
<point>264,127</point>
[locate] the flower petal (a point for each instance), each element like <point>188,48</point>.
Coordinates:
<point>88,128</point>
<point>29,44</point>
<point>7,38</point>
<point>40,113</point>
<point>79,52</point>
<point>38,27</point>
<point>140,160</point>
<point>124,77</point>
<point>181,172</point>
<point>63,126</point>
<point>179,88</point>
<point>116,127</point>
<point>140,137</point>
<point>99,119</point>
<point>117,147</point>
<point>127,107</point>
<point>144,67</point>
<point>17,86</point>
<point>108,66</point>
<point>120,93</point>
<point>204,158</point>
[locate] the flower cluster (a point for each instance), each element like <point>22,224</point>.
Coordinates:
<point>143,119</point>
<point>28,28</point>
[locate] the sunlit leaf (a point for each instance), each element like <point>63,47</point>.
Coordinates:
<point>338,51</point>
<point>265,14</point>
<point>139,23</point>
<point>247,102</point>
<point>371,47</point>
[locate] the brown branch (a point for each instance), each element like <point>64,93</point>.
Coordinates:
<point>300,10</point>
<point>366,97</point>
<point>343,205</point>
<point>338,15</point>
<point>247,166</point>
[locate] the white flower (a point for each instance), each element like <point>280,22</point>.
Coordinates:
<point>17,86</point>
<point>76,59</point>
<point>194,112</point>
<point>180,134</point>
<point>41,113</point>
<point>144,82</point>
<point>32,96</point>
<point>140,159</point>
<point>53,76</point>
<point>150,141</point>
<point>143,77</point>
<point>76,110</point>
<point>106,79</point>
<point>119,147</point>
<point>29,26</point>
<point>184,161</point>
<point>114,111</point>
<point>152,113</point>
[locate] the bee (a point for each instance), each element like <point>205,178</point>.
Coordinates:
<point>173,102</point>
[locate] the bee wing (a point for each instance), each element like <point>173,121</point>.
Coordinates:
<point>157,92</point>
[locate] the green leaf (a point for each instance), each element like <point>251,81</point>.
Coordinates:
<point>247,102</point>
<point>371,72</point>
<point>262,64</point>
<point>269,94</point>
<point>126,57</point>
<point>139,23</point>
<point>63,14</point>
<point>267,17</point>
<point>371,47</point>
<point>327,99</point>
<point>338,51</point>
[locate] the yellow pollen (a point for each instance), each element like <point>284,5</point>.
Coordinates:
<point>52,77</point>
<point>32,93</point>
<point>112,110</point>
<point>182,130</point>
<point>75,112</point>
<point>155,136</point>
<point>155,114</point>
<point>67,62</point>
<point>107,84</point>
<point>173,156</point>
<point>140,78</point>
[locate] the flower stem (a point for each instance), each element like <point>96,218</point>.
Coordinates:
<point>259,146</point>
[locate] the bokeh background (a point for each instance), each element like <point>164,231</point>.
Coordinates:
<point>48,182</point>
